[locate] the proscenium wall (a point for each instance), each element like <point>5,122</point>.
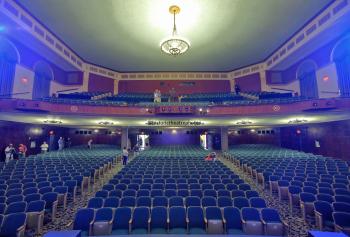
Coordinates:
<point>180,86</point>
<point>170,138</point>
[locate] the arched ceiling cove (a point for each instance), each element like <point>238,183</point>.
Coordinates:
<point>124,35</point>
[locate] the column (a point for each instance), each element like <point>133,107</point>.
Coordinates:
<point>263,81</point>
<point>125,138</point>
<point>86,74</point>
<point>232,85</point>
<point>224,139</point>
<point>116,87</point>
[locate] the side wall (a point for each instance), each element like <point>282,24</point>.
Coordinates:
<point>24,74</point>
<point>326,74</point>
<point>246,136</point>
<point>99,83</point>
<point>333,138</point>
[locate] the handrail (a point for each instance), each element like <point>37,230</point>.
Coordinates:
<point>275,88</point>
<point>74,89</point>
<point>21,93</point>
<point>330,92</point>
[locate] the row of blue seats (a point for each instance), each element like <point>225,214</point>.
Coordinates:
<point>179,220</point>
<point>206,201</point>
<point>173,192</point>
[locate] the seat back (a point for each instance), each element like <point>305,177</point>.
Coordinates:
<point>83,218</point>
<point>213,213</point>
<point>159,217</point>
<point>95,202</point>
<point>160,201</point>
<point>195,217</point>
<point>140,218</point>
<point>232,217</point>
<point>36,206</point>
<point>12,223</point>
<point>177,217</point>
<point>112,202</point>
<point>16,207</point>
<point>122,216</point>
<point>104,214</point>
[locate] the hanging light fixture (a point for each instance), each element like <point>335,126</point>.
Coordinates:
<point>174,45</point>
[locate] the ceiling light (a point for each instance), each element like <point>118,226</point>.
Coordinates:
<point>244,122</point>
<point>297,121</point>
<point>174,45</point>
<point>105,123</point>
<point>52,121</point>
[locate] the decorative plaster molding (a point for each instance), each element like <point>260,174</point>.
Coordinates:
<point>309,31</point>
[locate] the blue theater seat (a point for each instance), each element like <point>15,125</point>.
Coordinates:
<point>273,224</point>
<point>195,219</point>
<point>83,221</point>
<point>102,224</point>
<point>341,222</point>
<point>140,220</point>
<point>121,221</point>
<point>323,214</point>
<point>232,221</point>
<point>251,220</point>
<point>214,221</point>
<point>159,216</point>
<point>35,215</point>
<point>13,225</point>
<point>177,220</point>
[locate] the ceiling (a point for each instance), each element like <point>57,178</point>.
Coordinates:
<point>125,35</point>
<point>134,122</point>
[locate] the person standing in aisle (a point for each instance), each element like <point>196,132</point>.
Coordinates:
<point>60,144</point>
<point>125,156</point>
<point>90,144</point>
<point>44,147</point>
<point>9,152</point>
<point>22,149</point>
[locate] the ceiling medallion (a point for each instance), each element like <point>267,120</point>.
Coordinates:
<point>174,45</point>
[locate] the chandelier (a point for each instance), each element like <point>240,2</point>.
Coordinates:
<point>174,45</point>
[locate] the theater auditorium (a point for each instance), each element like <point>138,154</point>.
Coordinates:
<point>174,118</point>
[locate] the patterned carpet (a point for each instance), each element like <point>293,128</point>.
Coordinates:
<point>297,226</point>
